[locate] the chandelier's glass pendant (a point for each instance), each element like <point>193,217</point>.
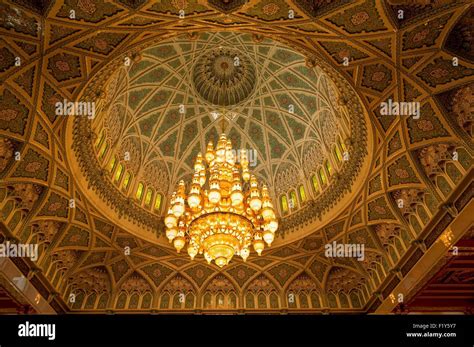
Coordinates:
<point>217,217</point>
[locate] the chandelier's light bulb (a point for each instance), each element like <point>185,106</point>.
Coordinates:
<point>214,193</point>
<point>245,174</point>
<point>229,153</point>
<point>255,204</point>
<point>170,219</point>
<point>192,251</point>
<point>244,253</point>
<point>268,213</point>
<point>243,158</point>
<point>273,225</point>
<point>171,233</point>
<point>268,236</point>
<point>210,155</point>
<point>220,152</point>
<point>221,261</point>
<point>178,243</point>
<point>202,178</point>
<point>258,245</point>
<point>194,200</point>
<point>237,197</point>
<point>178,209</point>
<point>198,166</point>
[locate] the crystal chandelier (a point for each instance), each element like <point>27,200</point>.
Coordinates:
<point>219,217</point>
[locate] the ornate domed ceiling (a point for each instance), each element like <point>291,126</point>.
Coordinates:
<point>223,76</point>
<point>158,113</point>
<point>59,189</point>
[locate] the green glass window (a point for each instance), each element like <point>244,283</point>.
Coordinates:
<point>315,182</point>
<point>322,176</point>
<point>139,191</point>
<point>112,163</point>
<point>294,199</point>
<point>337,153</point>
<point>148,196</point>
<point>329,167</point>
<point>126,180</point>
<point>103,150</point>
<point>157,201</point>
<point>343,146</point>
<point>118,173</point>
<point>100,139</point>
<point>302,193</point>
<point>284,204</point>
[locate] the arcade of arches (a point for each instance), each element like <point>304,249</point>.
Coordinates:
<point>304,99</point>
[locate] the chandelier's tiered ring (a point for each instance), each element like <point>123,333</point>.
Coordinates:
<point>220,216</point>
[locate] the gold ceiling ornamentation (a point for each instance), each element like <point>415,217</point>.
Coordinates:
<point>291,109</point>
<point>225,219</point>
<point>224,76</point>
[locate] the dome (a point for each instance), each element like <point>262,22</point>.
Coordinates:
<point>280,107</point>
<point>224,77</point>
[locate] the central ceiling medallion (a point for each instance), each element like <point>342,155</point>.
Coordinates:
<point>220,216</point>
<point>224,76</point>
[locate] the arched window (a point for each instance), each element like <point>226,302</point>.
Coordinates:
<point>112,162</point>
<point>207,300</point>
<point>165,301</point>
<point>294,200</point>
<point>126,180</point>
<point>284,204</point>
<point>274,303</point>
<point>100,139</point>
<point>343,300</point>
<point>157,201</point>
<point>103,150</point>
<point>328,167</point>
<point>220,303</point>
<point>292,300</point>
<point>315,182</point>
<point>337,153</point>
<point>146,300</point>
<point>262,300</point>
<point>148,196</point>
<point>232,300</point>
<point>189,303</point>
<point>341,144</point>
<point>332,300</point>
<point>177,301</point>
<point>103,301</point>
<point>249,301</point>
<point>118,173</point>
<point>303,300</point>
<point>302,193</point>
<point>355,299</point>
<point>315,302</point>
<point>322,176</point>
<point>121,301</point>
<point>133,303</point>
<point>139,191</point>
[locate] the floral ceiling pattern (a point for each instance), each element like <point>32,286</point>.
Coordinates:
<point>155,119</point>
